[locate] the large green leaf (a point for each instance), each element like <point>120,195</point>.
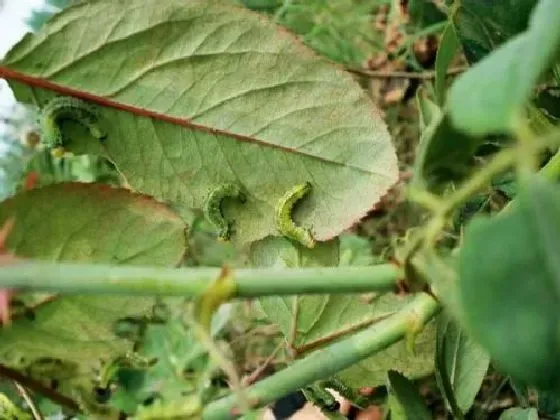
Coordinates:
<point>84,222</point>
<point>214,93</point>
<point>518,413</point>
<point>483,25</point>
<point>489,98</point>
<point>404,400</point>
<point>313,320</point>
<point>509,285</point>
<point>461,365</point>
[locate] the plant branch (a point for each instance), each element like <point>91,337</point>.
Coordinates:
<point>327,339</point>
<point>254,376</point>
<point>293,328</point>
<point>480,180</point>
<point>388,74</point>
<point>29,401</point>
<point>194,282</point>
<point>39,388</point>
<point>442,208</point>
<point>330,360</point>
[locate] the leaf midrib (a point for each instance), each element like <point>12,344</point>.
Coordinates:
<point>38,82</point>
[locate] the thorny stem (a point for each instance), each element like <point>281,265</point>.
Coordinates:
<point>479,181</point>
<point>293,328</point>
<point>502,161</point>
<point>84,278</point>
<point>219,291</point>
<point>324,363</point>
<point>194,282</point>
<point>442,208</point>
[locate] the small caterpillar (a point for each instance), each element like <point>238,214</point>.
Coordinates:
<point>67,108</point>
<point>129,360</point>
<point>283,216</point>
<point>213,208</point>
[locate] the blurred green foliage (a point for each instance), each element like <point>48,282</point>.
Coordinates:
<point>341,30</point>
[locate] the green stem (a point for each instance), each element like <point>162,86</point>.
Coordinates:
<point>442,210</point>
<point>330,360</point>
<point>480,180</point>
<point>194,282</point>
<point>429,30</point>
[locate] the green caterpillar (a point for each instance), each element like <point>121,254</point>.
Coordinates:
<point>129,360</point>
<point>67,108</point>
<point>213,208</point>
<point>320,397</point>
<point>283,216</point>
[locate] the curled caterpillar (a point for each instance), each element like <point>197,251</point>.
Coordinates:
<point>213,208</point>
<point>283,216</point>
<point>67,108</point>
<point>129,360</point>
<point>322,398</point>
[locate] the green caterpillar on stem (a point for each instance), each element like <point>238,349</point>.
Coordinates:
<point>213,208</point>
<point>283,216</point>
<point>63,108</point>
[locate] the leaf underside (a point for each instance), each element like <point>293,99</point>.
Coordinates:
<point>323,319</point>
<point>215,94</point>
<point>85,223</point>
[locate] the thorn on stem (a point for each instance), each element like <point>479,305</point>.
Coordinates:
<point>414,327</point>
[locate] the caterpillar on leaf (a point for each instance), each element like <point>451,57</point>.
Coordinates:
<point>129,360</point>
<point>213,208</point>
<point>63,108</point>
<point>283,216</point>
